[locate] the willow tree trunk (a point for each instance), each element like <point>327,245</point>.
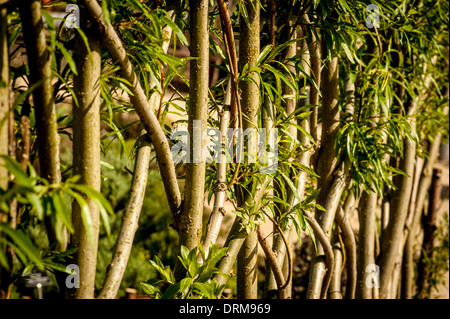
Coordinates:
<point>86,154</point>
<point>4,131</point>
<point>424,185</point>
<point>430,224</point>
<point>247,262</point>
<point>39,60</point>
<point>289,105</point>
<point>331,187</point>
<point>400,200</point>
<point>192,212</point>
<point>327,160</point>
<point>366,242</point>
<point>118,54</point>
<point>4,94</point>
<point>130,221</point>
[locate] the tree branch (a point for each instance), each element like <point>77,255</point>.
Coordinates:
<point>151,124</point>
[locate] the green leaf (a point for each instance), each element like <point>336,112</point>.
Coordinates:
<point>179,33</point>
<point>264,52</point>
<point>85,215</point>
<point>68,57</point>
<point>347,51</point>
<point>312,197</point>
<point>185,284</point>
<point>316,3</point>
<point>203,289</point>
<point>171,291</point>
<point>61,210</point>
<point>291,186</point>
<point>4,260</point>
<point>16,169</point>
<point>24,243</point>
<point>151,290</point>
<point>34,200</point>
<point>96,196</point>
<point>103,205</point>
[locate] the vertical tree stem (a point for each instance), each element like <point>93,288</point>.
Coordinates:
<point>366,242</point>
<point>191,215</point>
<point>144,110</point>
<point>4,94</point>
<point>247,262</point>
<point>130,221</point>
<point>39,60</point>
<point>86,150</point>
<point>399,209</point>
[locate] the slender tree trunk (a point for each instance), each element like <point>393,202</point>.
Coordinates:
<point>348,237</point>
<point>39,60</point>
<point>4,94</point>
<point>316,55</point>
<point>238,233</point>
<point>218,212</point>
<point>366,242</point>
<point>247,262</point>
<point>4,131</point>
<point>133,209</point>
<point>290,106</point>
<point>86,150</point>
<point>335,284</point>
<point>192,212</point>
<point>399,209</point>
<point>272,262</point>
<point>317,286</point>
<point>130,222</point>
<point>319,273</point>
<point>429,227</point>
<point>327,160</point>
<point>410,233</point>
<point>419,201</point>
<point>114,45</point>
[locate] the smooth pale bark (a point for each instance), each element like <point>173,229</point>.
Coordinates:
<point>39,60</point>
<point>272,262</point>
<point>192,212</point>
<point>114,45</point>
<point>327,160</point>
<point>430,225</point>
<point>399,209</point>
<point>5,275</point>
<point>218,212</point>
<point>86,154</point>
<point>133,209</point>
<point>289,105</point>
<point>366,242</point>
<point>247,268</point>
<point>238,233</point>
<point>4,95</point>
<point>315,50</point>
<point>335,284</point>
<point>317,286</point>
<point>320,273</point>
<point>348,237</point>
<point>408,252</point>
<point>331,188</point>
<point>130,223</point>
<point>249,43</point>
<point>419,202</point>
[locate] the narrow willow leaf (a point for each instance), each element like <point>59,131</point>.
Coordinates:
<point>68,57</point>
<point>85,215</point>
<point>24,243</point>
<point>16,169</point>
<point>291,186</point>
